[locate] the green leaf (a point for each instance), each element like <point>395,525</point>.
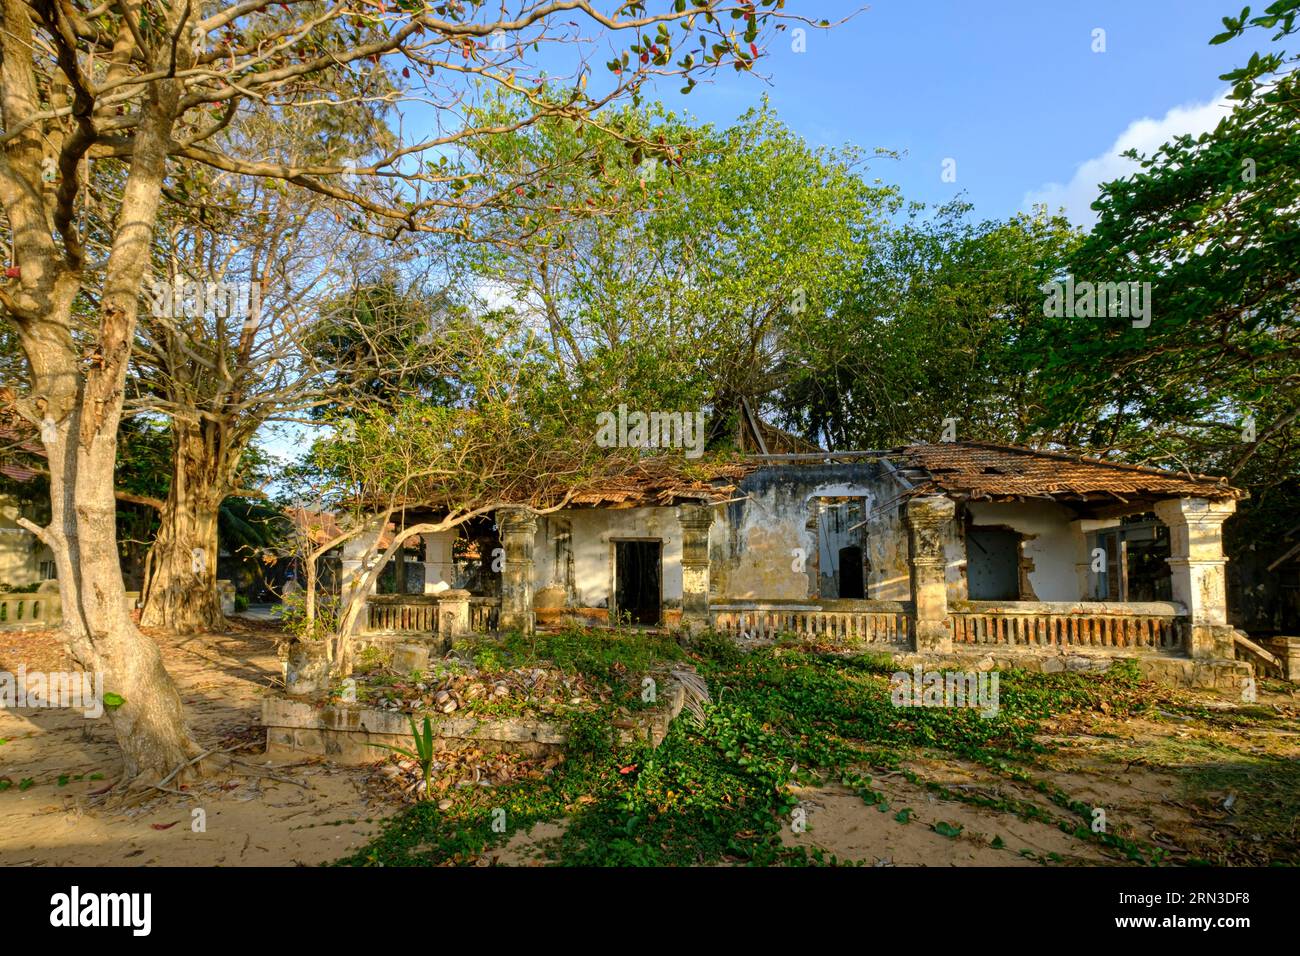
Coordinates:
<point>947,829</point>
<point>112,700</point>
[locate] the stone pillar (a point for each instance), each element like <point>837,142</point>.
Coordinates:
<point>1196,565</point>
<point>930,519</point>
<point>517,527</point>
<point>439,565</point>
<point>1288,651</point>
<point>695,521</point>
<point>453,615</point>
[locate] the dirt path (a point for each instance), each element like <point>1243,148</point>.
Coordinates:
<point>309,813</point>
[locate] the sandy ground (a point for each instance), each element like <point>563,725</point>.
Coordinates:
<point>1176,784</point>
<point>307,813</point>
<point>838,823</point>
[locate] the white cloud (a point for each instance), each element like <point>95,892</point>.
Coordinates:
<point>1144,135</point>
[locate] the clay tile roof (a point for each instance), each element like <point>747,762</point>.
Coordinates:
<point>665,481</point>
<point>16,472</point>
<point>322,526</point>
<point>982,470</point>
<point>19,445</point>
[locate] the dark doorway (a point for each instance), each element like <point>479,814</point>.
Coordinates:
<point>993,564</point>
<point>851,572</point>
<point>637,589</point>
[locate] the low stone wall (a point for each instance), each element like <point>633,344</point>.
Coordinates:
<point>29,611</point>
<point>346,733</point>
<point>388,642</point>
<point>1196,674</point>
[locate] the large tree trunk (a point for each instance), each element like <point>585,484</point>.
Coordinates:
<point>181,591</point>
<point>77,398</point>
<point>150,725</point>
<point>100,635</point>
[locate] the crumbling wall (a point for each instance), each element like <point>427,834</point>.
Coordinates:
<point>890,577</point>
<point>1048,551</point>
<point>768,549</point>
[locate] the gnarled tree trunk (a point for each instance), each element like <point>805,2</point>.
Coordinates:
<point>180,594</point>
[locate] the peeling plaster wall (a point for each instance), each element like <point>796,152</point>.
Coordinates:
<point>752,541</point>
<point>573,551</point>
<point>890,578</point>
<point>754,557</point>
<point>954,552</point>
<point>1048,552</point>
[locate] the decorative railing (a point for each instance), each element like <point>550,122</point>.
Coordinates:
<point>1155,626</point>
<point>402,613</point>
<point>419,613</point>
<point>484,613</point>
<point>865,622</point>
<point>31,610</point>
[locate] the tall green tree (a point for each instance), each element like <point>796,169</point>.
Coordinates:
<point>685,295</point>
<point>1212,222</point>
<point>141,88</point>
<point>928,342</point>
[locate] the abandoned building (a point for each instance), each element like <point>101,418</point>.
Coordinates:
<point>931,547</point>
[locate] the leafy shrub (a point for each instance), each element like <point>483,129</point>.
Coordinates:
<point>293,616</point>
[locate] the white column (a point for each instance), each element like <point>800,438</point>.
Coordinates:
<point>351,568</point>
<point>695,521</point>
<point>517,527</point>
<point>1197,569</point>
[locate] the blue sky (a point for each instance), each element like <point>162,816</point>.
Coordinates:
<point>1011,90</point>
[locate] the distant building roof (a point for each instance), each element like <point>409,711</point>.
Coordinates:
<point>19,447</point>
<point>321,527</point>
